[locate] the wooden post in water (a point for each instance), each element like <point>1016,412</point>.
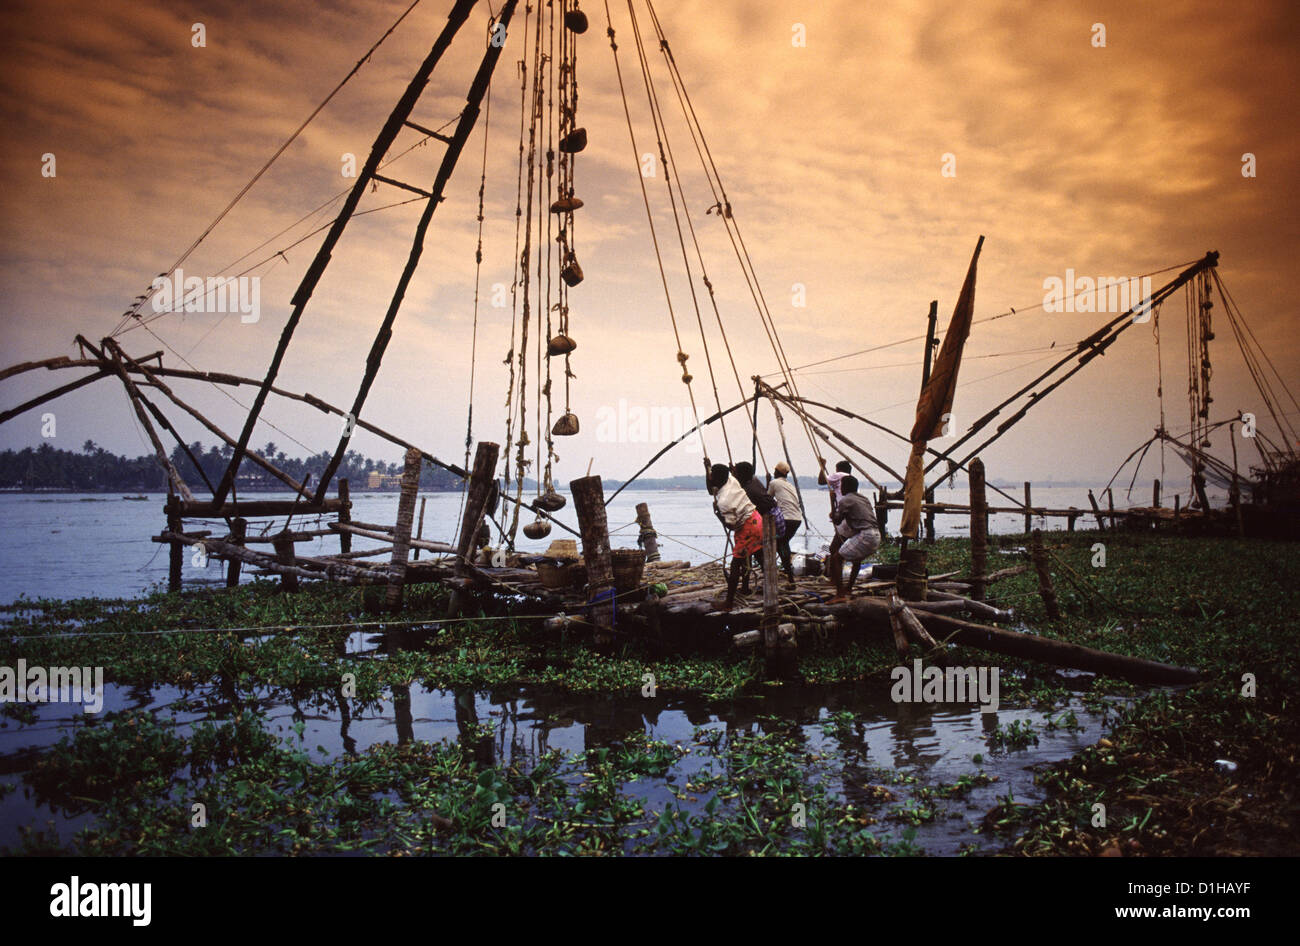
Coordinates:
<point>1029,512</point>
<point>402,529</point>
<point>1096,511</point>
<point>1110,504</point>
<point>1155,493</point>
<point>1235,494</point>
<point>779,642</point>
<point>345,516</point>
<point>1178,511</point>
<point>1069,527</point>
<point>238,530</point>
<point>929,517</point>
<point>1045,588</point>
<point>419,529</point>
<point>175,555</point>
<point>648,539</point>
<point>284,555</point>
<point>979,530</point>
<point>589,503</point>
<point>476,500</point>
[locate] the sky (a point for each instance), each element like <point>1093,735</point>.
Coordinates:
<point>864,149</point>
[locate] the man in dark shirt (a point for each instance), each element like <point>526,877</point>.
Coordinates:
<point>854,515</point>
<point>763,502</point>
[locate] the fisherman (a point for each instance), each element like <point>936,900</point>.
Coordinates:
<point>833,483</point>
<point>787,499</point>
<point>738,514</point>
<point>856,525</point>
<point>764,503</point>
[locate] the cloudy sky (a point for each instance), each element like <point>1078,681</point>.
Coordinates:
<point>1113,160</point>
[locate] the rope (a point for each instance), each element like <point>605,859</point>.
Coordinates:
<point>645,197</point>
<point>478,271</point>
<point>265,167</point>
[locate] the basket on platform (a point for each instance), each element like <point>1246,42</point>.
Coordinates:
<point>559,575</point>
<point>629,564</point>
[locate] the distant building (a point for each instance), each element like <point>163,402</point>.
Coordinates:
<point>377,480</point>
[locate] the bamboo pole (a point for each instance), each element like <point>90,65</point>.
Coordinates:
<point>175,554</point>
<point>1155,493</point>
<point>1029,511</point>
<point>419,529</point>
<point>51,395</point>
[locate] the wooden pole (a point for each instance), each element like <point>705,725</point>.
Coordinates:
<point>345,515</point>
<point>1096,511</point>
<point>1235,496</point>
<point>589,503</point>
<point>402,528</point>
<point>648,538</point>
<point>1178,511</point>
<point>1029,511</point>
<point>476,500</point>
<point>455,144</point>
<point>979,522</point>
<point>929,343</point>
<point>1070,523</point>
<point>383,143</point>
<point>1044,576</point>
<point>1155,493</point>
<point>419,529</point>
<point>1110,505</point>
<point>771,596</point>
<point>284,555</point>
<point>176,552</point>
<point>238,530</point>
<point>929,517</point>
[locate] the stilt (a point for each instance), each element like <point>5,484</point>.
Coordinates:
<point>1096,511</point>
<point>1029,511</point>
<point>648,539</point>
<point>979,535</point>
<point>1045,588</point>
<point>1178,510</point>
<point>175,555</point>
<point>1155,493</point>
<point>238,530</point>
<point>1110,505</point>
<point>929,517</point>
<point>402,529</point>
<point>1235,494</point>
<point>589,504</point>
<point>1069,527</point>
<point>1198,484</point>
<point>284,555</point>
<point>345,516</point>
<point>476,500</point>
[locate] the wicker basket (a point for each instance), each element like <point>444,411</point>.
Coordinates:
<point>558,575</point>
<point>629,564</point>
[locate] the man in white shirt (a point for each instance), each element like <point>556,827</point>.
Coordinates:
<point>787,498</point>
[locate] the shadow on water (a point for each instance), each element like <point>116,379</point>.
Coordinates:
<point>858,743</point>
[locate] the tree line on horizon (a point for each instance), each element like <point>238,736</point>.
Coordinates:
<point>95,469</point>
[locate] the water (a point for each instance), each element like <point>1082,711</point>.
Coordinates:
<point>932,742</point>
<point>70,545</point>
